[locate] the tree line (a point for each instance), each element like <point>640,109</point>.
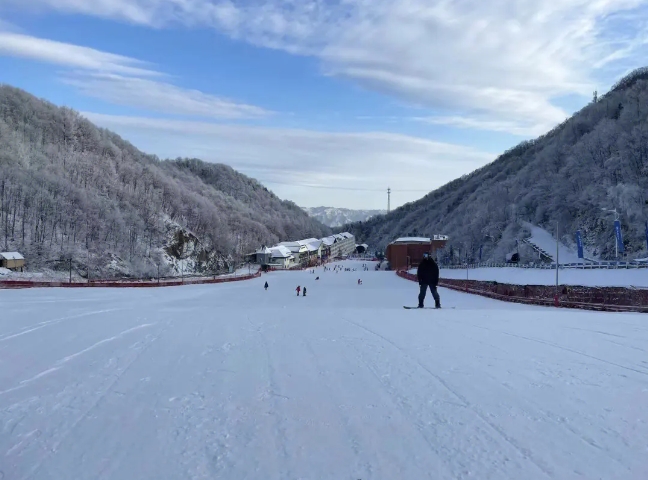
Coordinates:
<point>71,190</point>
<point>595,160</point>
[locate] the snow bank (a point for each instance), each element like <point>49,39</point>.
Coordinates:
<point>569,276</point>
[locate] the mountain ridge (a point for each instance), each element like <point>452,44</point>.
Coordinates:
<point>337,217</point>
<point>596,159</point>
<point>71,190</point>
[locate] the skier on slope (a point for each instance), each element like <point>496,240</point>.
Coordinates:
<point>304,291</point>
<point>266,285</point>
<point>298,289</point>
<point>427,275</point>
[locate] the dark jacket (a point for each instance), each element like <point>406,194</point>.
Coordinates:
<point>428,272</point>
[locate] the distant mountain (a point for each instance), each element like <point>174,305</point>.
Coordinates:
<point>336,217</point>
<point>595,160</point>
<point>70,189</point>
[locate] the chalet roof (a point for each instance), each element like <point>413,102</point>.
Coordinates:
<point>281,251</point>
<point>421,239</point>
<point>307,241</point>
<point>412,240</point>
<point>294,247</point>
<point>314,245</point>
<point>11,256</point>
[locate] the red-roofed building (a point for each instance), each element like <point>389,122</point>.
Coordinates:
<point>407,252</point>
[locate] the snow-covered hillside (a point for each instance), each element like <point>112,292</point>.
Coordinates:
<point>336,217</point>
<point>110,207</point>
<point>231,381</point>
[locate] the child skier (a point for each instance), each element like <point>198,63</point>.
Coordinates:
<point>298,290</point>
<point>266,285</point>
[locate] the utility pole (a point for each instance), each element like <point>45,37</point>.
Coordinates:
<point>557,254</point>
<point>388,199</point>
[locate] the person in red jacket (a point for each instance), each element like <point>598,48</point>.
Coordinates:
<point>298,289</point>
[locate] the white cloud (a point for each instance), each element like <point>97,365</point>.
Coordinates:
<point>68,55</point>
<point>123,80</point>
<point>354,168</point>
<point>136,11</point>
<point>492,64</point>
<point>516,128</point>
<point>160,97</point>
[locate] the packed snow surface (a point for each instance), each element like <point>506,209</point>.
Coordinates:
<point>230,381</point>
<point>637,277</point>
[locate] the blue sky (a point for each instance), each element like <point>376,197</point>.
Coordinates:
<point>327,102</point>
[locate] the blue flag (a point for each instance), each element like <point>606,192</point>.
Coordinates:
<point>579,243</point>
<point>619,235</point>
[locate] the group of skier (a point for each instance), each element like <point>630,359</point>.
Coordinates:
<point>298,289</point>
<point>427,275</point>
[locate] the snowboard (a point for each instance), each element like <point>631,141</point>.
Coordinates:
<point>425,308</point>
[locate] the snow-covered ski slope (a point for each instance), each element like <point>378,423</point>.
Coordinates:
<point>547,242</point>
<point>232,382</point>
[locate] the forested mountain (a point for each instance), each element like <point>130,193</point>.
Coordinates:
<point>335,217</point>
<point>596,159</point>
<point>70,189</point>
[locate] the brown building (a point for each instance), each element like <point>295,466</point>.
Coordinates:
<point>12,260</point>
<point>407,252</point>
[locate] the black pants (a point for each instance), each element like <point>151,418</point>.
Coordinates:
<point>435,294</point>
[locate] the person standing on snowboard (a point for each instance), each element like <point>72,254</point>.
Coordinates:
<point>427,275</point>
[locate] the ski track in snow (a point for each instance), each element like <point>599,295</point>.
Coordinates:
<point>230,381</point>
<point>38,326</point>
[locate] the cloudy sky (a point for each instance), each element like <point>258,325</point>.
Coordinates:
<point>327,102</point>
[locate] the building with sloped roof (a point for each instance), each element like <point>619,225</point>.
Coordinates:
<point>407,252</point>
<point>263,255</point>
<point>282,257</point>
<point>12,261</point>
<point>344,245</point>
<point>299,251</point>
